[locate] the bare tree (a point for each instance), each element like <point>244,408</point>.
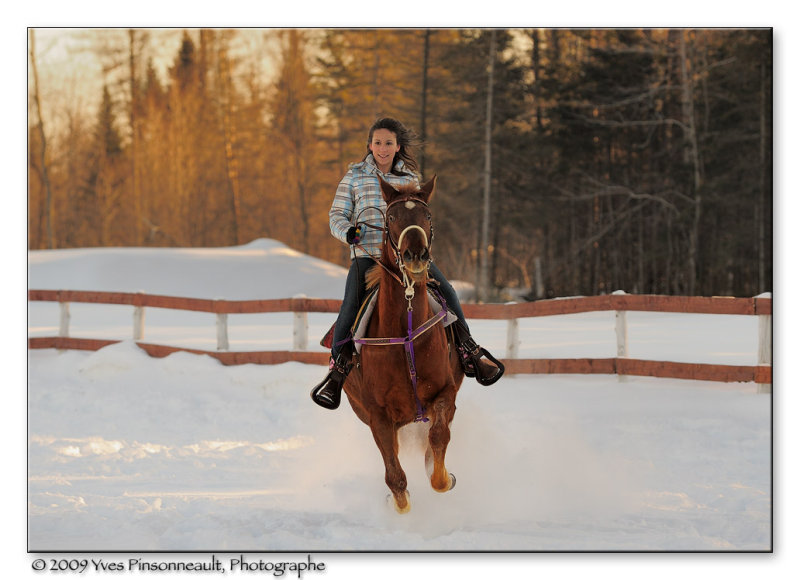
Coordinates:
<point>230,137</point>
<point>763,209</point>
<point>294,122</point>
<point>48,206</point>
<point>687,103</point>
<point>483,274</point>
<point>424,92</point>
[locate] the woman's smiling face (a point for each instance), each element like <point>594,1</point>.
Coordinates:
<point>384,146</point>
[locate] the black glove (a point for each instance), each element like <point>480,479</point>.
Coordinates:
<point>354,235</point>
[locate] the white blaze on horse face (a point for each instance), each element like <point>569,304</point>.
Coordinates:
<point>410,205</point>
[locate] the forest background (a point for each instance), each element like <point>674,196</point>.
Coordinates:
<point>570,161</point>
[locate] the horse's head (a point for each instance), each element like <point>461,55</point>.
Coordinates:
<point>409,228</point>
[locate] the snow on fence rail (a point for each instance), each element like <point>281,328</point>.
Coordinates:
<point>620,302</point>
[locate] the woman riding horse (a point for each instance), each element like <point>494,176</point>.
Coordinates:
<point>356,218</point>
<point>391,387</point>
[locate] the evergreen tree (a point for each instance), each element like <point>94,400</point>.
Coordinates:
<point>101,200</point>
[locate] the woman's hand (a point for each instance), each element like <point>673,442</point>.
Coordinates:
<point>354,234</point>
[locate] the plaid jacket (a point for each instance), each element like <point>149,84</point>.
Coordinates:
<point>358,193</point>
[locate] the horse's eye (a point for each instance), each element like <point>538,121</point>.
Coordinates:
<point>391,218</point>
<point>428,217</point>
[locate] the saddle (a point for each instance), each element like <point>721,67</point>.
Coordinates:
<point>359,328</point>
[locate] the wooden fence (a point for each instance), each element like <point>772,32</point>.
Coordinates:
<point>620,303</point>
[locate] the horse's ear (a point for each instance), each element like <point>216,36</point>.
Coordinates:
<point>428,188</point>
<point>388,191</point>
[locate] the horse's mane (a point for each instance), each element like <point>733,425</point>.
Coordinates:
<point>408,188</point>
<point>373,276</point>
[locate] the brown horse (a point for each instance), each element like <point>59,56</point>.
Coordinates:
<point>393,384</point>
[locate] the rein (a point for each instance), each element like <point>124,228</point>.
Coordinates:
<point>385,230</point>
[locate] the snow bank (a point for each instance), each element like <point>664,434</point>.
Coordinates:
<point>262,269</point>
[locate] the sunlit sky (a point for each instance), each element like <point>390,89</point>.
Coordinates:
<point>69,68</point>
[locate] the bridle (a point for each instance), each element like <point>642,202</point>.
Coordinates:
<point>396,245</point>
<point>407,284</point>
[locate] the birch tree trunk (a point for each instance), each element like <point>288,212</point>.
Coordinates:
<point>483,273</point>
<point>135,187</point>
<point>535,66</point>
<point>765,166</point>
<point>230,135</point>
<point>423,111</point>
<point>48,206</point>
<point>687,105</point>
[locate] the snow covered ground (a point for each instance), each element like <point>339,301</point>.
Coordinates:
<point>132,453</point>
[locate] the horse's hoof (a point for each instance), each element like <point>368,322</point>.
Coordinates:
<point>451,486</point>
<point>405,500</point>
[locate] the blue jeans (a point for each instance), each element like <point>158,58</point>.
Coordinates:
<point>355,292</point>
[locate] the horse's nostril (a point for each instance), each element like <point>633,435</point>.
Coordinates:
<point>407,256</point>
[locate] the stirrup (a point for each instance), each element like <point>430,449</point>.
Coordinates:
<point>475,368</point>
<point>328,393</point>
<point>470,355</point>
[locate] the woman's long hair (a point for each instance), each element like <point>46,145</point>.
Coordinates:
<point>406,138</point>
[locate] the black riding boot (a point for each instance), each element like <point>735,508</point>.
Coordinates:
<point>470,356</point>
<point>328,393</point>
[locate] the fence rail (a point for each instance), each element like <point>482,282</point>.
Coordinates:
<point>620,303</point>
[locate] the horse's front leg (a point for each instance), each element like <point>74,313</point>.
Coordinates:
<point>442,413</point>
<point>385,434</point>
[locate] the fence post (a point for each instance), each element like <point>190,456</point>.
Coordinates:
<point>621,318</point>
<point>138,318</point>
<point>512,338</point>
<point>300,334</point>
<point>765,346</point>
<point>222,329</point>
